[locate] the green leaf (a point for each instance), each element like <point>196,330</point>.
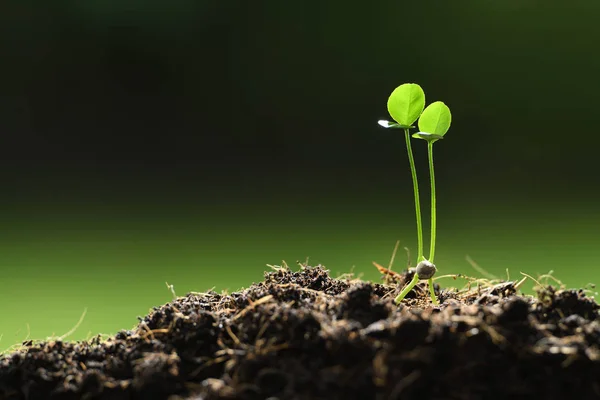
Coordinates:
<point>435,119</point>
<point>406,103</point>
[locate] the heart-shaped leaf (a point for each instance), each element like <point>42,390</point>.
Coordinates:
<point>406,103</point>
<point>435,119</point>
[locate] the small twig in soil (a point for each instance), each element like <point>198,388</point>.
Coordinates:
<point>518,284</point>
<point>232,335</point>
<point>550,276</point>
<point>172,289</point>
<point>302,289</point>
<point>208,363</point>
<point>252,305</point>
<point>70,332</point>
<point>150,332</point>
<point>532,278</point>
<point>393,257</point>
<point>282,267</point>
<point>479,269</point>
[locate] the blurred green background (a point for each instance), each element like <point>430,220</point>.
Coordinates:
<point>196,142</point>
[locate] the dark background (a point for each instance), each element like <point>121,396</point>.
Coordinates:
<point>196,141</point>
<point>218,94</point>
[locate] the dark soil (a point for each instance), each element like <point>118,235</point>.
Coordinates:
<point>305,335</point>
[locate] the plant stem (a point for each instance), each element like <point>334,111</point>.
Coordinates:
<point>407,289</point>
<point>413,171</point>
<point>433,216</point>
<point>432,292</point>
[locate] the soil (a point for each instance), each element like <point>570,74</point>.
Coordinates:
<point>305,335</point>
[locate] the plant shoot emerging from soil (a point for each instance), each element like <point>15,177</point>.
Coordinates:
<point>433,125</point>
<point>403,105</point>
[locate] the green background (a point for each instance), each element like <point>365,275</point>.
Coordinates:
<point>196,142</point>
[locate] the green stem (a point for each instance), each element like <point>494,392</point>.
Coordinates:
<point>432,292</point>
<point>407,289</point>
<point>413,171</point>
<point>433,217</point>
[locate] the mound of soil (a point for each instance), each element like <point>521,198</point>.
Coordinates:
<point>305,335</point>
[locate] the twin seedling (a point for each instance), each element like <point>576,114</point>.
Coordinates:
<point>406,105</point>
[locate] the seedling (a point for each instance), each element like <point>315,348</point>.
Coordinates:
<point>434,122</point>
<point>405,105</point>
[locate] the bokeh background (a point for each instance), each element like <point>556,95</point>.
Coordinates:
<point>194,142</point>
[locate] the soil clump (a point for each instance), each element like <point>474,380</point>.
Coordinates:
<point>306,335</point>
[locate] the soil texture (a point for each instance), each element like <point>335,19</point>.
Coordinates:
<point>306,335</point>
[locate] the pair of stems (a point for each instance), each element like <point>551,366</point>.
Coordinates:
<point>413,171</point>
<point>420,256</point>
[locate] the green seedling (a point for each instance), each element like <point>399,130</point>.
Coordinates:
<point>405,105</point>
<point>433,124</point>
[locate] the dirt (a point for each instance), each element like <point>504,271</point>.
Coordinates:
<point>305,335</point>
